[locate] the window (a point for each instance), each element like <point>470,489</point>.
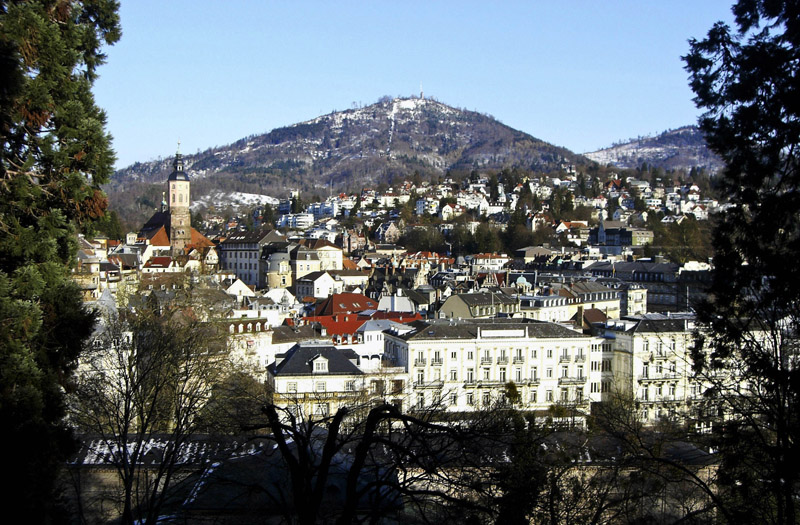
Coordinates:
<point>503,374</point>
<point>534,354</point>
<point>470,399</point>
<point>548,395</point>
<point>486,398</point>
<point>350,386</point>
<point>453,398</point>
<point>453,355</point>
<point>564,394</point>
<point>595,388</point>
<point>454,375</point>
<point>549,372</point>
<point>420,400</point>
<point>517,375</point>
<point>319,386</point>
<point>470,375</point>
<point>534,373</point>
<point>321,365</point>
<point>533,396</point>
<point>321,409</point>
<point>420,376</point>
<point>580,371</point>
<point>470,355</point>
<point>595,366</point>
<point>486,374</point>
<point>564,371</point>
<point>291,387</point>
<point>549,353</point>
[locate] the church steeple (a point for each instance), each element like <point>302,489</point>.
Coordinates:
<point>179,187</point>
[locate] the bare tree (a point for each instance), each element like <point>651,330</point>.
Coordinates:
<point>139,392</point>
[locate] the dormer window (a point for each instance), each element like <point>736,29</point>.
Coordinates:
<point>320,365</point>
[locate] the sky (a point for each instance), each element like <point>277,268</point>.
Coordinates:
<point>578,74</point>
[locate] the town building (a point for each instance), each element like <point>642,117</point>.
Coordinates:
<point>463,365</point>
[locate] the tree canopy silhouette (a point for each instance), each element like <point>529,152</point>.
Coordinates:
<point>746,79</point>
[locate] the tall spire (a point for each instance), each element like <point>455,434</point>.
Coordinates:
<point>178,164</point>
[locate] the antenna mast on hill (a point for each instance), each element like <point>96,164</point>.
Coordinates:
<point>421,93</point>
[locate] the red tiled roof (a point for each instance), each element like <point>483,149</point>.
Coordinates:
<point>343,303</point>
<point>160,237</point>
<point>398,317</point>
<point>158,262</point>
<point>344,324</point>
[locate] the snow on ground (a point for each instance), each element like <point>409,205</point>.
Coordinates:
<point>235,199</point>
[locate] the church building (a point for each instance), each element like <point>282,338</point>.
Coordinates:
<point>170,228</point>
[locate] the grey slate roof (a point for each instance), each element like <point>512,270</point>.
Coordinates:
<point>485,299</point>
<point>298,361</point>
<point>468,329</point>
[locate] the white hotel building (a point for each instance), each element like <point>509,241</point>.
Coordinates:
<point>464,365</point>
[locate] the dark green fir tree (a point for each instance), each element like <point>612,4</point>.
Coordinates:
<point>55,154</point>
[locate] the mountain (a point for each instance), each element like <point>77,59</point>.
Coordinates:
<point>679,149</point>
<point>347,150</point>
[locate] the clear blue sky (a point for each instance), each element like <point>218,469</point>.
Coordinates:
<point>578,74</point>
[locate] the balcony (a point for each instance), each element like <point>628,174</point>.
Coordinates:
<point>669,376</point>
<point>564,359</point>
<point>572,380</point>
<point>429,384</point>
<point>420,361</point>
<point>580,358</point>
<point>486,360</point>
<point>437,361</point>
<point>502,360</point>
<point>518,359</point>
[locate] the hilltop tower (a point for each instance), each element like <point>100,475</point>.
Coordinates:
<point>178,185</point>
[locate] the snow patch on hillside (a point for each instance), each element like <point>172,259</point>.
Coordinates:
<point>235,199</point>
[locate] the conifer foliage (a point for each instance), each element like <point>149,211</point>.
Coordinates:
<point>748,82</point>
<point>54,155</point>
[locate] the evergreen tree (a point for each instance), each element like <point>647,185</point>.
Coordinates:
<point>748,83</point>
<point>55,155</point>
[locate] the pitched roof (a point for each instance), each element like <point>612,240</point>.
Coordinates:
<point>299,361</point>
<point>468,329</point>
<point>344,302</point>
<point>345,324</point>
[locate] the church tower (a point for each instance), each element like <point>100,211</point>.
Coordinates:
<point>180,228</point>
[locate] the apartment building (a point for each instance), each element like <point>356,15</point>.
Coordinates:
<point>462,365</point>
